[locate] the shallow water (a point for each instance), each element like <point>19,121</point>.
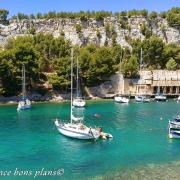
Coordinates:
<point>29,140</point>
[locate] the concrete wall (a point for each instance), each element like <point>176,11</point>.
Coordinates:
<point>146,84</point>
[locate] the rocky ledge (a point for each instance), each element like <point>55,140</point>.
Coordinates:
<point>99,32</point>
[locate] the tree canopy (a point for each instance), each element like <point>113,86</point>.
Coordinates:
<point>47,58</point>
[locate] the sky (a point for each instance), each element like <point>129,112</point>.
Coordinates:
<point>43,6</point>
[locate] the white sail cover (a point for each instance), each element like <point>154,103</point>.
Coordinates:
<point>76,118</point>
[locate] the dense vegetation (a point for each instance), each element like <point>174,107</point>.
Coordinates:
<point>3,16</point>
<point>48,59</point>
<point>172,16</point>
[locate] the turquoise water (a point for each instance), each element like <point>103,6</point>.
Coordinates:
<point>30,141</point>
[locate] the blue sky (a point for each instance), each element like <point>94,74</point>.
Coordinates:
<point>34,6</point>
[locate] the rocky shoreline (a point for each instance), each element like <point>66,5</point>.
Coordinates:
<point>40,98</point>
<point>165,171</point>
<point>60,98</point>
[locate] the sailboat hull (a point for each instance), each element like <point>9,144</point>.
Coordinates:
<point>23,105</point>
<point>79,103</point>
<point>76,131</point>
<point>24,102</point>
<point>121,99</point>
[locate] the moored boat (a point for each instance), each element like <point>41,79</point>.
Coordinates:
<point>178,99</point>
<point>78,101</point>
<point>75,128</point>
<point>24,102</point>
<point>174,133</point>
<point>160,97</point>
<point>142,98</point>
<point>174,128</point>
<point>139,97</point>
<point>121,99</point>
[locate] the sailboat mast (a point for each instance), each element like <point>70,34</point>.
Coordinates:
<point>141,60</point>
<point>120,72</point>
<point>77,85</point>
<point>71,81</point>
<point>23,81</point>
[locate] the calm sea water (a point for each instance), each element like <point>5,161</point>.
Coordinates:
<point>30,141</point>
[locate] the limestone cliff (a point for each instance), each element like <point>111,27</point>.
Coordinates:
<point>92,31</point>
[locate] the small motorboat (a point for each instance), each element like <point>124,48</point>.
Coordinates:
<point>175,121</point>
<point>140,98</point>
<point>160,97</point>
<point>174,128</point>
<point>173,125</point>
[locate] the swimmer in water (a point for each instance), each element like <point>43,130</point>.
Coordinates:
<point>97,115</point>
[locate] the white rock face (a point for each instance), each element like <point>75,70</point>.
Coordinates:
<point>89,30</point>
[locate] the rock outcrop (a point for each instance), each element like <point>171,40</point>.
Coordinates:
<point>90,29</point>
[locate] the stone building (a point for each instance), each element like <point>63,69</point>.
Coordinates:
<point>148,83</point>
<point>167,81</point>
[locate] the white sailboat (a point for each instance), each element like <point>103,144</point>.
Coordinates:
<point>120,98</point>
<point>75,128</point>
<point>24,102</point>
<point>78,101</point>
<point>138,97</point>
<point>159,96</point>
